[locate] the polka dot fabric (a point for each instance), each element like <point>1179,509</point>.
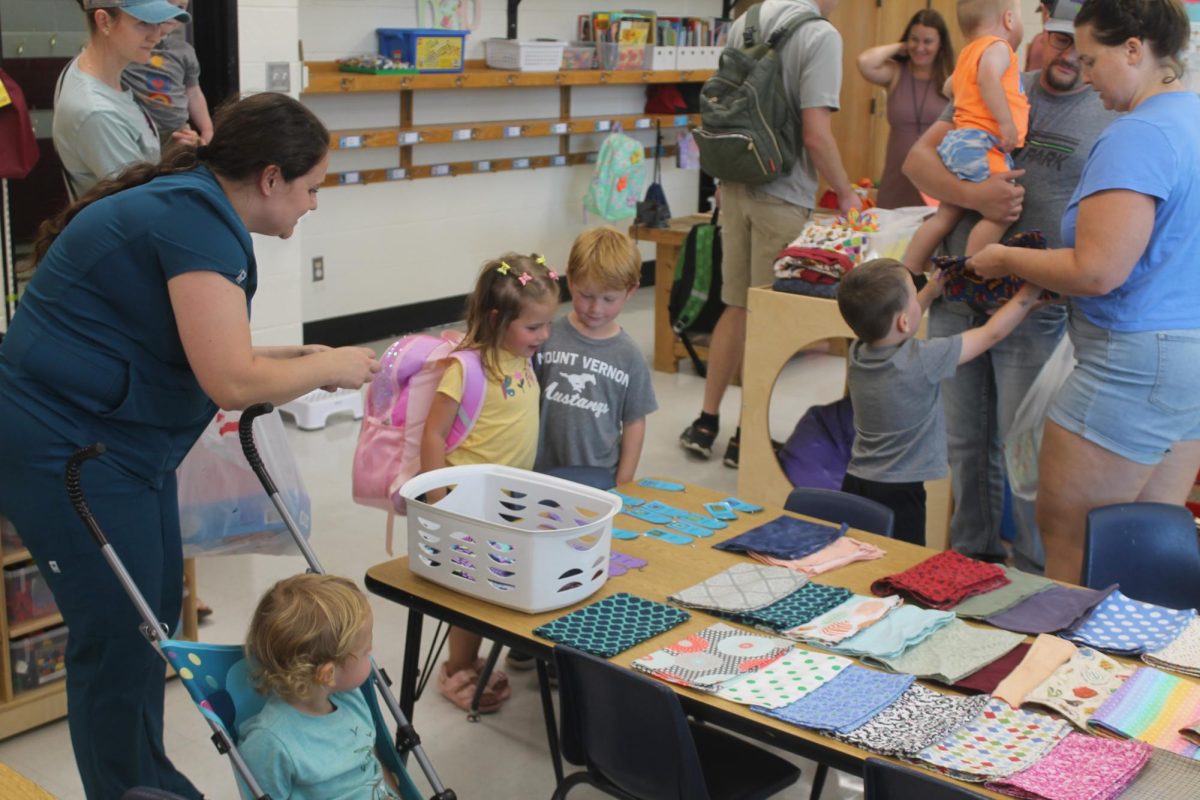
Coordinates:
<point>710,658</point>
<point>612,625</point>
<point>943,581</point>
<point>845,703</point>
<point>785,680</point>
<point>1124,626</point>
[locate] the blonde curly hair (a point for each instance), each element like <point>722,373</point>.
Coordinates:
<point>301,624</point>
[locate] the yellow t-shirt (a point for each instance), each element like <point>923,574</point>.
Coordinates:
<point>507,429</point>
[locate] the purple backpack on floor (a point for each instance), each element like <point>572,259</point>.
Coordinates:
<point>818,451</point>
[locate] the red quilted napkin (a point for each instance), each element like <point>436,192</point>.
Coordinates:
<point>943,581</point>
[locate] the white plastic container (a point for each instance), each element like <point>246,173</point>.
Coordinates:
<point>515,538</point>
<point>533,56</point>
<point>313,410</point>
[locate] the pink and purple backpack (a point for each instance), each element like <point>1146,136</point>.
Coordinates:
<point>398,401</point>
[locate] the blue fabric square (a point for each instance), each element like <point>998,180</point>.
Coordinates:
<point>1125,626</point>
<point>786,538</point>
<point>846,703</point>
<point>612,625</point>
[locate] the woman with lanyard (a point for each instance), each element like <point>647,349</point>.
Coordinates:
<point>99,129</point>
<point>133,330</point>
<point>1125,426</point>
<point>913,71</point>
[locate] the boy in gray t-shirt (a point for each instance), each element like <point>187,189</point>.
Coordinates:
<point>894,381</point>
<point>168,86</point>
<point>596,389</point>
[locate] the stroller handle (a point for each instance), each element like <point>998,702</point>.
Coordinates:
<point>250,450</point>
<point>75,491</point>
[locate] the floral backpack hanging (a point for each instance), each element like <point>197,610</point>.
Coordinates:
<point>617,181</point>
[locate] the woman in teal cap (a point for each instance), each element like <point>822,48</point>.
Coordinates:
<point>133,329</point>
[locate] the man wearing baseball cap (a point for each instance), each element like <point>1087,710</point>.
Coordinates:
<point>155,12</point>
<point>981,400</point>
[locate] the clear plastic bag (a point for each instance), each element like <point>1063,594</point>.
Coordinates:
<point>1023,444</point>
<point>223,509</point>
<point>896,229</point>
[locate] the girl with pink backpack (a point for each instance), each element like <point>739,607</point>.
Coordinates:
<point>508,319</point>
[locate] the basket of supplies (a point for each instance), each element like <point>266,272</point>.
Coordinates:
<point>541,55</point>
<point>512,537</point>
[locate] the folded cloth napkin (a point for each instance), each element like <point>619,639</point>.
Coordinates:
<point>996,744</point>
<point>856,614</point>
<point>708,659</point>
<point>952,652</point>
<point>1182,654</point>
<point>826,291</point>
<point>986,679</point>
<point>845,703</point>
<point>895,633</point>
<point>1152,706</point>
<point>1123,626</point>
<point>794,262</point>
<point>919,718</point>
<point>806,603</point>
<point>943,580</point>
<point>785,680</point>
<point>1079,768</point>
<point>612,625</point>
<point>982,294</point>
<point>742,587</point>
<point>1020,585</point>
<point>1047,654</point>
<point>784,537</point>
<point>841,552</point>
<point>1053,610</point>
<point>1078,688</point>
<point>1166,777</point>
<point>1191,731</point>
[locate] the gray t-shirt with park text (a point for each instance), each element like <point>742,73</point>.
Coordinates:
<point>899,427</point>
<point>590,388</point>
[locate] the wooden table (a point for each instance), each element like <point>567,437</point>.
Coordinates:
<point>15,786</point>
<point>670,568</point>
<point>668,241</point>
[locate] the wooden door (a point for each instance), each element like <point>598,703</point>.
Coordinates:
<point>856,21</point>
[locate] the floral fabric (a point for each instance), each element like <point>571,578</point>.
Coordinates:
<point>943,581</point>
<point>1079,768</point>
<point>844,621</point>
<point>1078,688</point>
<point>785,680</point>
<point>919,718</point>
<point>845,703</point>
<point>710,658</point>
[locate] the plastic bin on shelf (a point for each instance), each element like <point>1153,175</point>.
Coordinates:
<point>579,55</point>
<point>615,56</point>
<point>426,49</point>
<point>531,56</point>
<point>27,595</point>
<point>38,659</point>
<point>514,538</point>
<point>10,541</point>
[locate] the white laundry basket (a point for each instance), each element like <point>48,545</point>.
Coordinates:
<point>512,537</point>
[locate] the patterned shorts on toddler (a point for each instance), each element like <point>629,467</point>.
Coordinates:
<point>972,154</point>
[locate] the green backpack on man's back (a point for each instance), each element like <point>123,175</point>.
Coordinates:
<point>748,133</point>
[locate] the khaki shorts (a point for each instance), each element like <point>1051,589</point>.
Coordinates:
<point>754,227</point>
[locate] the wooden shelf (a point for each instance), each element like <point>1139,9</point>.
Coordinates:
<point>15,557</point>
<point>324,78</point>
<point>502,129</point>
<point>34,625</point>
<point>33,707</point>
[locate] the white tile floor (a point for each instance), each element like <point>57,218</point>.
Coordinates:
<point>505,755</point>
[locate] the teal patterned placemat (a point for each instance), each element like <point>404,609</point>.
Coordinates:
<point>612,625</point>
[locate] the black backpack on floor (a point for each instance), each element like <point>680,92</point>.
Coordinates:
<point>695,303</point>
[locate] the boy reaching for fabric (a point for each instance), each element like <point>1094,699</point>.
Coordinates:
<point>991,118</point>
<point>895,384</point>
<point>596,389</point>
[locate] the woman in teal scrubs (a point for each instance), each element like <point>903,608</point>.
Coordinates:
<point>133,329</point>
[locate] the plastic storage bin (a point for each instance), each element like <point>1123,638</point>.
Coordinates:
<point>38,659</point>
<point>313,410</point>
<point>624,56</point>
<point>9,539</point>
<point>514,538</point>
<point>27,595</point>
<point>426,49</point>
<point>535,56</point>
<point>579,55</point>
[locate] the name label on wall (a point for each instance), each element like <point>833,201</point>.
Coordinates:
<point>350,142</point>
<point>462,134</point>
<point>410,137</point>
<point>439,170</point>
<point>397,174</point>
<point>520,163</point>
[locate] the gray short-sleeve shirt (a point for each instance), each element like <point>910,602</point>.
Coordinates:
<point>899,427</point>
<point>590,388</point>
<point>161,84</point>
<point>812,78</point>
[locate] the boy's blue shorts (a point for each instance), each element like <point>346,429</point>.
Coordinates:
<point>965,151</point>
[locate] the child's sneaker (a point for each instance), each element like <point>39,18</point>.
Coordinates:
<point>733,450</point>
<point>698,439</point>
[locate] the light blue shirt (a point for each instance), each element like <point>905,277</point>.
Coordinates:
<point>1153,150</point>
<point>297,756</point>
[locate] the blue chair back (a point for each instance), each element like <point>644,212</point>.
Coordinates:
<point>883,780</point>
<point>834,506</point>
<point>217,676</point>
<point>1150,549</point>
<point>595,477</point>
<point>628,730</point>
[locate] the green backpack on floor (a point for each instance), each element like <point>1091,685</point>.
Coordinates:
<point>695,303</point>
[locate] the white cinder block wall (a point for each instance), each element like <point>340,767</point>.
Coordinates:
<point>399,243</point>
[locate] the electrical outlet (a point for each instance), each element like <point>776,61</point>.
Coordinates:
<point>279,76</point>
<point>318,269</point>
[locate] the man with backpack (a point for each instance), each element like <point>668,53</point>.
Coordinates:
<point>764,209</point>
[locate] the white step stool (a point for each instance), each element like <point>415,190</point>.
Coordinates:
<point>313,410</point>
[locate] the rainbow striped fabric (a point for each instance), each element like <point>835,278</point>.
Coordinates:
<point>1152,707</point>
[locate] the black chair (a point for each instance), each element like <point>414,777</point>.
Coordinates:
<point>834,506</point>
<point>883,780</point>
<point>1150,549</point>
<point>630,733</point>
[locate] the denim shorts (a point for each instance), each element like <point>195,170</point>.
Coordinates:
<point>965,151</point>
<point>1133,393</point>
